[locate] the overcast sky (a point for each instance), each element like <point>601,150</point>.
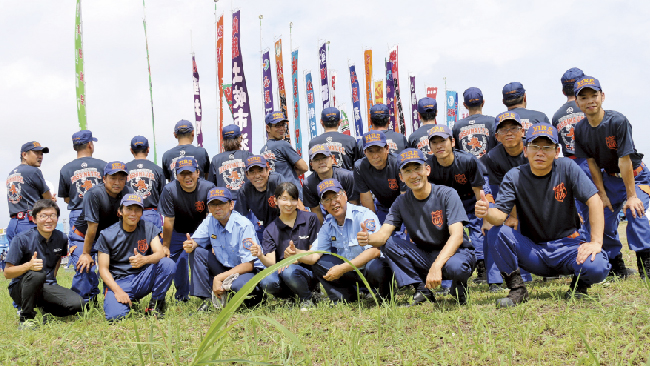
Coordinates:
<point>472,43</point>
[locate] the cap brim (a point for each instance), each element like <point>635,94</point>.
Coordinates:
<point>377,143</point>
<point>443,135</point>
<point>190,169</point>
<point>221,199</point>
<point>261,165</point>
<point>311,157</point>
<point>506,120</point>
<point>132,203</point>
<point>276,122</point>
<point>593,87</point>
<point>330,189</point>
<point>419,161</point>
<point>541,137</point>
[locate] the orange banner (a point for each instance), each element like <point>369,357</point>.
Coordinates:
<point>379,92</point>
<point>367,58</point>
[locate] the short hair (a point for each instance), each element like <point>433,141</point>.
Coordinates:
<point>511,102</point>
<point>182,135</point>
<point>232,144</point>
<point>139,150</point>
<point>80,147</point>
<point>288,187</point>
<point>42,204</point>
<point>568,90</point>
<point>428,116</point>
<point>380,121</point>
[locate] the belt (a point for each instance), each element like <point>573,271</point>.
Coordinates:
<point>76,231</point>
<point>149,209</point>
<point>22,215</point>
<point>574,235</point>
<point>637,171</point>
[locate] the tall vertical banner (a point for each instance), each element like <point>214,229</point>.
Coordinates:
<point>241,108</point>
<point>153,129</point>
<point>332,74</point>
<point>197,102</point>
<point>390,95</point>
<point>324,87</point>
<point>356,102</point>
<point>267,83</point>
<point>414,105</point>
<point>311,105</point>
<point>367,61</point>
<point>282,93</point>
<point>452,108</point>
<point>80,80</point>
<point>227,93</point>
<point>432,92</point>
<point>220,72</point>
<point>345,123</point>
<point>398,101</point>
<point>296,100</point>
<point>379,92</point>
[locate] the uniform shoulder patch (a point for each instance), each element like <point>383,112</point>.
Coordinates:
<point>370,224</point>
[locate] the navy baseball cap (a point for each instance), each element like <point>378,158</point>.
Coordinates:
<point>115,167</point>
<point>219,193</point>
<point>139,142</point>
<point>328,185</point>
<point>255,160</point>
<point>330,114</point>
<point>541,130</point>
<point>506,116</point>
<point>275,117</point>
<point>82,137</point>
<point>379,111</point>
<point>513,90</point>
<point>571,76</point>
<point>440,130</point>
<point>319,149</point>
<point>230,132</point>
<point>33,145</point>
<point>188,164</point>
<point>586,82</point>
<point>427,105</point>
<point>183,126</point>
<point>473,97</point>
<point>373,138</point>
<point>411,155</point>
<point>132,199</point>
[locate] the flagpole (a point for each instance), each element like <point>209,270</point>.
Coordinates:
<point>446,106</point>
<point>262,79</point>
<point>216,70</point>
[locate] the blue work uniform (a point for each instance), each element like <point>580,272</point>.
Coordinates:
<point>25,186</point>
<point>342,147</point>
<point>529,117</point>
<point>184,151</point>
<point>147,179</point>
<point>282,159</point>
<point>259,207</point>
<point>227,170</point>
<point>310,189</point>
<point>419,139</point>
<point>384,184</point>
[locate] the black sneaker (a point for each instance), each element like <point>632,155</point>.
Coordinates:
<point>643,263</point>
<point>156,309</point>
<point>481,274</point>
<point>618,268</point>
<point>421,297</point>
<point>577,289</point>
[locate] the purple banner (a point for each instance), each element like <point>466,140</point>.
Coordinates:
<point>240,105</point>
<point>197,103</point>
<point>296,100</point>
<point>390,95</point>
<point>311,106</point>
<point>267,81</point>
<point>414,105</point>
<point>325,90</point>
<point>356,102</point>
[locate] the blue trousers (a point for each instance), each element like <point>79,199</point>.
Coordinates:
<point>155,279</point>
<point>296,279</point>
<point>377,273</point>
<point>411,264</point>
<point>583,210</point>
<point>182,271</point>
<point>86,284</point>
<point>17,226</point>
<point>513,250</point>
<point>75,242</point>
<point>152,216</point>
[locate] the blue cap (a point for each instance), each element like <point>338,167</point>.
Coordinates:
<point>439,130</point>
<point>115,167</point>
<point>427,105</point>
<point>541,130</point>
<point>82,137</point>
<point>379,111</point>
<point>319,149</point>
<point>328,185</point>
<point>473,97</point>
<point>586,82</point>
<point>373,138</point>
<point>571,76</point>
<point>183,126</point>
<point>513,90</point>
<point>330,114</point>
<point>132,199</point>
<point>184,164</point>
<point>411,155</point>
<point>275,117</point>
<point>219,193</point>
<point>506,116</point>
<point>232,131</point>
<point>139,142</point>
<point>33,145</point>
<point>255,160</point>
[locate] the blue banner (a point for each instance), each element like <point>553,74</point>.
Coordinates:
<point>452,108</point>
<point>267,83</point>
<point>296,100</point>
<point>311,106</point>
<point>356,102</point>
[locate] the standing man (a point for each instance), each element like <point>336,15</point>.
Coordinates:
<point>514,98</point>
<point>379,120</point>
<point>25,186</point>
<point>227,168</point>
<point>76,178</point>
<point>419,139</point>
<point>184,133</point>
<point>343,147</point>
<point>474,134</point>
<point>183,204</point>
<point>604,138</point>
<point>146,179</point>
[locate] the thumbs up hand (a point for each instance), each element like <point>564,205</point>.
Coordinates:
<point>482,206</point>
<point>35,264</point>
<point>291,250</point>
<point>363,237</point>
<point>137,260</point>
<point>189,244</point>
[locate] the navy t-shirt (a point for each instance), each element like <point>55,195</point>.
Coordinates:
<point>77,177</point>
<point>228,169</point>
<point>100,207</point>
<point>184,151</point>
<point>188,209</point>
<point>530,117</point>
<point>25,186</point>
<point>282,158</point>
<point>119,244</point>
<point>475,134</point>
<point>545,205</point>
<point>427,221</point>
<point>303,233</point>
<point>384,184</point>
<point>343,148</point>
<point>310,189</point>
<point>23,246</point>
<point>419,139</point>
<point>261,204</point>
<point>498,162</point>
<point>606,143</point>
<point>147,180</point>
<point>564,121</point>
<point>463,174</point>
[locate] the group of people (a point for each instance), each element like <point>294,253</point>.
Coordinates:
<point>509,196</point>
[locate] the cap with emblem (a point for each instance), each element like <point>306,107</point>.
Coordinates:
<point>506,116</point>
<point>411,155</point>
<point>186,164</point>
<point>319,149</point>
<point>513,90</point>
<point>427,105</point>
<point>33,145</point>
<point>219,193</point>
<point>132,199</point>
<point>439,130</point>
<point>379,111</point>
<point>473,97</point>
<point>328,185</point>
<point>82,137</point>
<point>541,130</point>
<point>275,117</point>
<point>232,131</point>
<point>255,160</point>
<point>373,138</point>
<point>183,126</point>
<point>115,167</point>
<point>571,76</point>
<point>330,114</point>
<point>586,82</point>
<point>139,143</point>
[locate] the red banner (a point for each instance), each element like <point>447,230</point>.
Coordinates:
<point>281,91</point>
<point>432,92</point>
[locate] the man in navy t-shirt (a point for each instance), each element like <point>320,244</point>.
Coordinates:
<point>419,139</point>
<point>548,242</point>
<point>434,217</point>
<point>146,178</point>
<point>514,98</point>
<point>604,138</point>
<point>132,262</point>
<point>227,168</point>
<point>475,133</point>
<point>343,147</point>
<point>379,120</point>
<point>183,204</point>
<point>184,133</point>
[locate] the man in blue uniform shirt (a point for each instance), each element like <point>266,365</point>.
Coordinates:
<point>132,262</point>
<point>183,204</point>
<point>146,179</point>
<point>379,120</point>
<point>419,139</point>
<point>475,133</point>
<point>343,147</point>
<point>184,133</point>
<point>548,242</point>
<point>227,168</point>
<point>514,98</point>
<point>434,217</point>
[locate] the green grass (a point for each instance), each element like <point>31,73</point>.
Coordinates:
<point>611,328</point>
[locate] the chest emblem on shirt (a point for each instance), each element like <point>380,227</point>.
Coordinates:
<point>142,246</point>
<point>392,184</point>
<point>461,179</point>
<point>370,224</point>
<point>611,142</point>
<point>560,192</point>
<point>199,205</point>
<point>272,202</point>
<point>436,218</point>
<point>14,182</point>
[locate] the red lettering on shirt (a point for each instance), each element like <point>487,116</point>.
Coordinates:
<point>560,192</point>
<point>436,218</point>
<point>611,142</point>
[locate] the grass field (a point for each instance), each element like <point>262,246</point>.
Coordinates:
<point>610,328</point>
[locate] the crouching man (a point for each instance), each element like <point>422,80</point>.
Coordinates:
<point>548,243</point>
<point>132,262</point>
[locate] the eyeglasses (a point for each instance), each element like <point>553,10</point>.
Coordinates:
<point>505,131</point>
<point>546,148</point>
<point>45,217</point>
<point>288,200</point>
<point>327,201</point>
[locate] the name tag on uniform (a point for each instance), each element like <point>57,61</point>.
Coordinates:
<point>57,250</point>
<point>303,237</point>
<point>213,236</point>
<point>333,238</point>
